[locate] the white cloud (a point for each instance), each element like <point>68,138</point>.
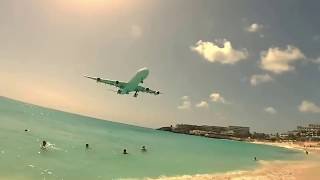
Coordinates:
<point>278,60</point>
<point>185,98</point>
<point>317,61</point>
<point>186,103</point>
<point>136,31</point>
<point>260,78</point>
<point>255,27</point>
<point>270,110</point>
<point>316,37</point>
<point>217,97</point>
<point>309,107</point>
<point>224,55</point>
<point>202,104</point>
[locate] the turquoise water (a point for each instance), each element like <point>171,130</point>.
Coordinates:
<point>168,153</point>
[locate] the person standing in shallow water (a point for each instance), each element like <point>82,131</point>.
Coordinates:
<point>87,146</point>
<point>125,151</point>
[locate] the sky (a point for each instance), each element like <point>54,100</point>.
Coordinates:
<point>218,62</point>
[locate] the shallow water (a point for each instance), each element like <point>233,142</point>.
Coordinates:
<point>168,153</point>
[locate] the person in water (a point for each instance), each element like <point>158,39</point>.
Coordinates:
<point>143,149</point>
<point>255,158</point>
<point>87,146</point>
<point>44,145</point>
<point>125,151</point>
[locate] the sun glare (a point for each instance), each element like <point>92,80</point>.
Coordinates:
<point>93,6</point>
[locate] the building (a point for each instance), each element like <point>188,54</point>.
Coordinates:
<point>261,136</point>
<point>313,130</point>
<point>315,126</point>
<point>240,131</point>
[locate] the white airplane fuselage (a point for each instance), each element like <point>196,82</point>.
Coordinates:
<point>138,78</point>
<point>127,87</point>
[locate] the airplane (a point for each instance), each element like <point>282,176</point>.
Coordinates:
<point>131,86</point>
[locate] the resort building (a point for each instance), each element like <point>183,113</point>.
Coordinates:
<point>240,131</point>
<point>313,130</point>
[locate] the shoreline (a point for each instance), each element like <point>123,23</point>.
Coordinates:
<point>276,170</point>
<point>307,168</point>
<point>311,147</point>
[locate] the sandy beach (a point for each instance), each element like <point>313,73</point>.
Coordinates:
<point>306,169</point>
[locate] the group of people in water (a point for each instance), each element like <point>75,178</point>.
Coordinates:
<point>143,149</point>
<point>44,146</point>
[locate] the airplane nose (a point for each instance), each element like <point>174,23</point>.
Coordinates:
<point>147,72</point>
<point>144,71</point>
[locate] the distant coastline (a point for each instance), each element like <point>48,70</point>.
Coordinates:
<point>238,133</point>
<point>310,133</point>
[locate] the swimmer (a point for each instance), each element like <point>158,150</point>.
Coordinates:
<point>307,152</point>
<point>125,151</point>
<point>143,149</point>
<point>87,146</point>
<point>26,130</point>
<point>255,158</point>
<point>44,144</point>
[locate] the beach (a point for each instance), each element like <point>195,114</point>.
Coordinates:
<point>305,169</point>
<point>267,171</point>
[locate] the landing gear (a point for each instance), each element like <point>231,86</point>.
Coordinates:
<point>135,94</point>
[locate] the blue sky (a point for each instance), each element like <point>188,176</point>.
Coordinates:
<point>250,63</point>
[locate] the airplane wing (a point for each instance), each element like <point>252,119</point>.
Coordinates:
<point>147,90</point>
<point>118,84</point>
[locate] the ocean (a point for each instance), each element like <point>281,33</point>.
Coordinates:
<point>168,154</point>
